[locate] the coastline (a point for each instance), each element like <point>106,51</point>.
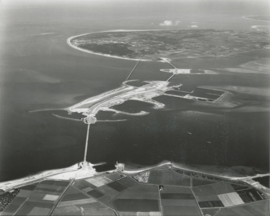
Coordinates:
<point>134,30</point>
<point>80,171</point>
<point>107,55</point>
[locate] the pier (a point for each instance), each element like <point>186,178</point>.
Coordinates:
<point>133,69</point>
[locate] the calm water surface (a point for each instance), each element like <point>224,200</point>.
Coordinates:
<point>39,70</point>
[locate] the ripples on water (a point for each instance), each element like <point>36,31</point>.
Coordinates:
<point>39,70</point>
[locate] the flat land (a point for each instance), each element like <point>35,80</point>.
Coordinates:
<point>173,44</point>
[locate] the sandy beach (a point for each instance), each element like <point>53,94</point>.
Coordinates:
<point>107,55</point>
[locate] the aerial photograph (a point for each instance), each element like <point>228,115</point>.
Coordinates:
<point>135,107</point>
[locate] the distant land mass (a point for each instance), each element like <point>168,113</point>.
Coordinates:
<point>258,17</point>
<point>173,44</point>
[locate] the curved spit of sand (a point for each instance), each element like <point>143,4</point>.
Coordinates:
<point>107,55</point>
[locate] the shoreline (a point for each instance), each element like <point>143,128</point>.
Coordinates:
<point>79,171</point>
<point>107,55</point>
<point>145,60</point>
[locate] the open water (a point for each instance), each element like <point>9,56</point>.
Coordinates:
<point>39,70</point>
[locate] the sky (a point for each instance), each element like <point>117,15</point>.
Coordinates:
<point>6,2</point>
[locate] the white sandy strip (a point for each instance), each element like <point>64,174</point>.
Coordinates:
<point>132,172</point>
<point>135,171</point>
<point>107,55</point>
<point>8,185</point>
